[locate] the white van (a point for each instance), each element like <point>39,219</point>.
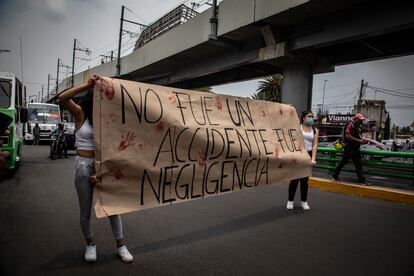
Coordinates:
<point>387,144</point>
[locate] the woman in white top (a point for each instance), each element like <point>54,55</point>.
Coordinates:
<point>85,170</point>
<point>310,135</point>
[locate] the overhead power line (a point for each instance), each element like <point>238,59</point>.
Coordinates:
<point>391,92</point>
<point>139,17</point>
<point>336,86</point>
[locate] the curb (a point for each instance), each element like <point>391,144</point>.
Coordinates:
<point>383,193</point>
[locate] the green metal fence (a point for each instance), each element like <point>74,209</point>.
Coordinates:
<point>374,162</point>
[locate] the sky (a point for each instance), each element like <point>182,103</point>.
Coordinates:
<point>47,29</point>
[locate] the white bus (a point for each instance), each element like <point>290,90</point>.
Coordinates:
<point>46,115</point>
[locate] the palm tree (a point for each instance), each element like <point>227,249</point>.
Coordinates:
<point>269,89</point>
<point>205,89</point>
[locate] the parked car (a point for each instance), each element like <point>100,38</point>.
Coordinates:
<point>328,140</point>
<point>387,144</point>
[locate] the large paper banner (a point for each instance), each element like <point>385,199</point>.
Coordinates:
<point>159,145</point>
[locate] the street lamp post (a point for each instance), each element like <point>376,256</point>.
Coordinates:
<point>323,95</point>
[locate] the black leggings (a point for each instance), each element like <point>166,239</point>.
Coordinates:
<point>303,187</point>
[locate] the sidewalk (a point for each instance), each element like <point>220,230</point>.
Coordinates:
<point>377,192</point>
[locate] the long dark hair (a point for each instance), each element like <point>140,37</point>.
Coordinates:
<point>86,103</point>
<point>303,115</point>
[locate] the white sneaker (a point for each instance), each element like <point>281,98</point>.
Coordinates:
<point>124,254</point>
<point>304,205</point>
<point>90,253</point>
<point>289,205</point>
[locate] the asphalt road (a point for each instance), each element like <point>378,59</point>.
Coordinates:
<point>245,233</point>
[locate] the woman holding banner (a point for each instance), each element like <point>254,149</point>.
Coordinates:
<point>310,135</point>
<point>85,170</point>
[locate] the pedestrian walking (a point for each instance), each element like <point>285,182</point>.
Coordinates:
<point>36,134</point>
<point>85,170</point>
<point>353,141</point>
<point>406,148</point>
<point>310,136</point>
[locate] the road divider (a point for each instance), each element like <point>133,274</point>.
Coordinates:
<point>365,191</point>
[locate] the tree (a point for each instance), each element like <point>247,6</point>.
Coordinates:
<point>405,130</point>
<point>205,89</point>
<point>269,89</point>
<point>387,129</point>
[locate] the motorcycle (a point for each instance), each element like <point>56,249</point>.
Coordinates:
<point>55,146</point>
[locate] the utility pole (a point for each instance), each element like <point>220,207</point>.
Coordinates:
<point>323,95</point>
<point>41,99</point>
<point>59,64</point>
<point>111,57</point>
<point>118,63</point>
<point>73,61</point>
<point>57,76</point>
<point>48,86</point>
<point>121,32</point>
<point>21,57</point>
<point>380,122</point>
<point>76,48</point>
<point>360,95</point>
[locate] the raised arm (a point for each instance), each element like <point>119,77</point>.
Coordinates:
<point>66,99</point>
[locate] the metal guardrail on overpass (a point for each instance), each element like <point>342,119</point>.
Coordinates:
<point>372,166</point>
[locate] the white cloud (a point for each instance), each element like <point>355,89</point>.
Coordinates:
<point>53,10</point>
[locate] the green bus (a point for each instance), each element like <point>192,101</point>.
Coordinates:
<point>12,104</point>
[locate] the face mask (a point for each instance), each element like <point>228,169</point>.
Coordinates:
<point>358,123</point>
<point>309,121</point>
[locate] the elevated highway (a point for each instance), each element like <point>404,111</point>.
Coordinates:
<point>254,38</point>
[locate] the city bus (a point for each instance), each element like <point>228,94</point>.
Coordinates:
<point>46,115</point>
<point>12,104</point>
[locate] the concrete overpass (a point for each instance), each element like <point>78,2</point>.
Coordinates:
<point>297,38</point>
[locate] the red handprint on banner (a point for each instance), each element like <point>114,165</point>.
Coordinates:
<point>108,88</point>
<point>218,103</point>
<point>110,118</point>
<point>117,174</point>
<point>126,141</point>
<point>201,159</point>
<point>172,99</point>
<point>159,127</point>
<point>276,152</point>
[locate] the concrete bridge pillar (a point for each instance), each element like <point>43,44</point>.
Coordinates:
<point>297,86</point>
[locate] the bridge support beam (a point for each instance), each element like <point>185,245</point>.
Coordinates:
<point>297,86</point>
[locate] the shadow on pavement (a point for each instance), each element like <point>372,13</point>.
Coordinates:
<point>72,258</point>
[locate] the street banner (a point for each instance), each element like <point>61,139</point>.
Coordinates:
<point>158,145</point>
